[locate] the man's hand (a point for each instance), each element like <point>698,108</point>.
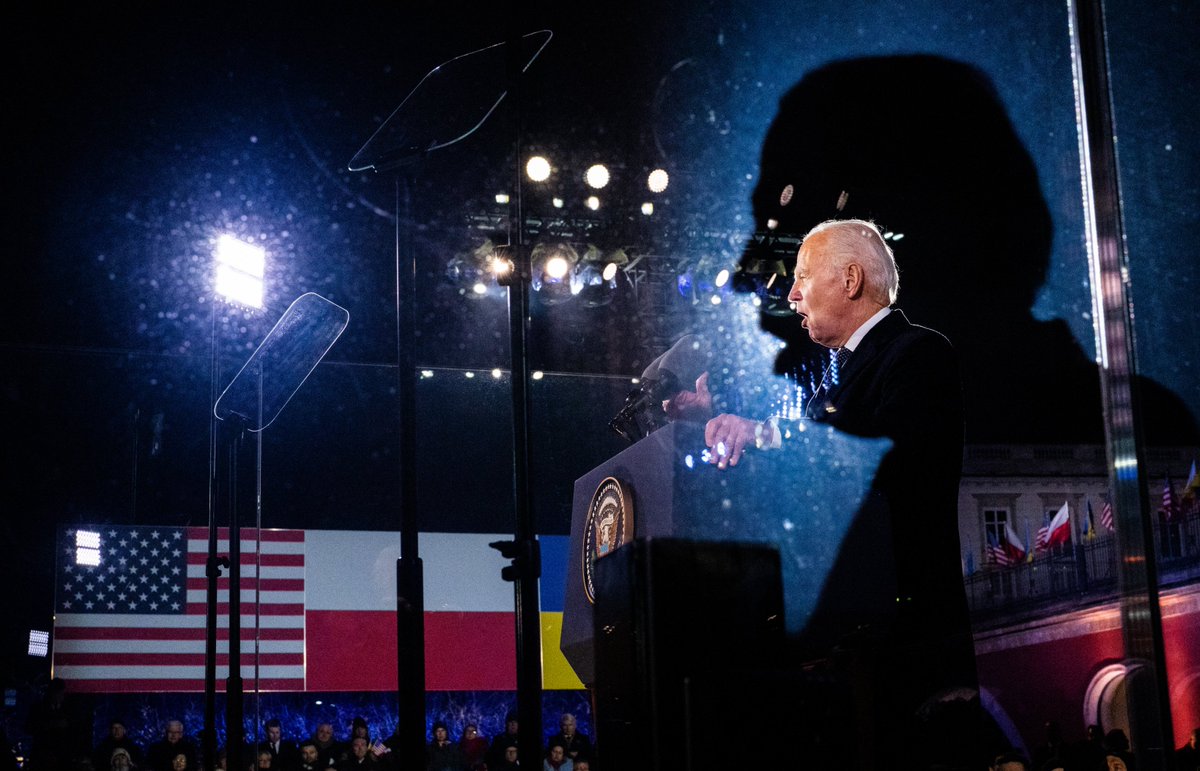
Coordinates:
<point>727,437</point>
<point>689,405</point>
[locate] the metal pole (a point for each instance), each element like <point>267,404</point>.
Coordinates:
<point>212,570</point>
<point>234,731</point>
<point>528,563</point>
<point>1141,619</point>
<point>410,594</point>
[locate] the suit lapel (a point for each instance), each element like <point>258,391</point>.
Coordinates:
<point>870,347</point>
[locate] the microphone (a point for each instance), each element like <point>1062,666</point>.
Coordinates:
<point>682,363</point>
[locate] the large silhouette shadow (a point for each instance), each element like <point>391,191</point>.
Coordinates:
<point>923,146</point>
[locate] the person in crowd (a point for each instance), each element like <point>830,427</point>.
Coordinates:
<point>161,755</point>
<point>574,742</point>
<point>508,759</point>
<point>359,728</point>
<point>1187,757</point>
<point>473,747</point>
<point>583,764</point>
<point>59,734</point>
<point>181,762</point>
<point>556,758</point>
<point>442,754</point>
<point>1052,748</point>
<point>265,759</point>
<point>500,743</point>
<point>284,753</point>
<point>1010,761</point>
<point>330,750</point>
<point>1116,751</point>
<point>119,760</point>
<point>118,738</point>
<point>359,758</point>
<point>310,756</point>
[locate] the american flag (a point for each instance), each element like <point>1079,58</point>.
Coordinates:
<point>135,620</point>
<point>1106,517</point>
<point>1170,504</point>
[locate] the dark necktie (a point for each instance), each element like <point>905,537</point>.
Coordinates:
<point>832,373</point>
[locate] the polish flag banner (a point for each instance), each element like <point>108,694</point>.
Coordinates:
<point>1059,529</point>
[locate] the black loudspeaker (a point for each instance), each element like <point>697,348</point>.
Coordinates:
<point>691,669</point>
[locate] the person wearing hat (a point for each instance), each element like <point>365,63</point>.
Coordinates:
<point>120,760</point>
<point>118,738</point>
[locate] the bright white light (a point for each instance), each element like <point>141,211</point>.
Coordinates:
<point>593,202</point>
<point>597,176</point>
<point>557,267</point>
<point>688,461</point>
<point>756,301</point>
<point>479,288</point>
<point>501,197</point>
<point>501,267</point>
<point>715,299</point>
<point>658,180</point>
<point>635,380</point>
<point>558,202</point>
<point>538,169</point>
<point>497,373</point>
<point>609,272</point>
<point>897,236</point>
<point>722,278</point>
<point>469,375</point>
<point>772,224</point>
<point>87,539</point>
<point>318,702</point>
<point>39,643</point>
<point>426,373</point>
<point>538,374</point>
<point>647,208</point>
<point>87,556</point>
<point>240,269</point>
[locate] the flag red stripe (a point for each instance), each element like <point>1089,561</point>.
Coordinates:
<point>248,609</point>
<point>171,659</point>
<point>263,584</point>
<point>251,558</point>
<point>278,536</point>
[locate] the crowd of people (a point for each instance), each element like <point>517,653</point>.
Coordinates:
<point>1097,751</point>
<point>568,750</point>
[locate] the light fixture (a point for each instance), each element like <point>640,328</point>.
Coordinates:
<point>594,279</point>
<point>87,548</point>
<point>39,643</point>
<point>538,169</point>
<point>647,208</point>
<point>240,270</point>
<point>658,180</point>
<point>502,198</point>
<point>597,176</point>
<point>592,202</point>
<point>551,264</point>
<point>558,202</point>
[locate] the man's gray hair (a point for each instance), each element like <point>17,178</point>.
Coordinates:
<point>860,240</point>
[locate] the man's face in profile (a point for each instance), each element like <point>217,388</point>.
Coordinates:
<point>817,294</point>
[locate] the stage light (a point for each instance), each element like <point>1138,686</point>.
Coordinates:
<point>609,272</point>
<point>551,264</point>
<point>557,267</point>
<point>538,169</point>
<point>715,299</point>
<point>558,202</point>
<point>87,548</point>
<point>537,374</point>
<point>240,270</point>
<point>479,288</point>
<point>426,373</point>
<point>39,643</point>
<point>470,375</point>
<point>597,176</point>
<point>497,373</point>
<point>464,273</point>
<point>722,278</point>
<point>592,202</point>
<point>502,198</point>
<point>647,208</point>
<point>658,180</point>
<point>594,277</point>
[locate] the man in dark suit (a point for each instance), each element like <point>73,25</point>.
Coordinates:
<point>893,614</point>
<point>284,753</point>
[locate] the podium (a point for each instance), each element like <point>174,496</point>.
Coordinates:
<point>804,499</point>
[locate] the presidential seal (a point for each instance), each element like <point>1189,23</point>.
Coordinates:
<point>609,526</point>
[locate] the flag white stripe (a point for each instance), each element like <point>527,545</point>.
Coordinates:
<point>248,595</point>
<point>153,672</point>
<point>251,571</point>
<point>172,646</point>
<point>191,621</point>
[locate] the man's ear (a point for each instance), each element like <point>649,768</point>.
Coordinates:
<point>853,281</point>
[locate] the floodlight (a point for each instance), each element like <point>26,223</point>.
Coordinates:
<point>722,278</point>
<point>39,643</point>
<point>87,547</point>
<point>658,181</point>
<point>592,202</point>
<point>597,176</point>
<point>537,374</point>
<point>558,202</point>
<point>609,272</point>
<point>497,373</point>
<point>551,264</point>
<point>647,208</point>
<point>557,267</point>
<point>240,270</point>
<point>538,169</point>
<point>502,198</point>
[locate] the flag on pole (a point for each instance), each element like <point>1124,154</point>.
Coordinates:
<point>1089,526</point>
<point>1191,501</point>
<point>1106,517</point>
<point>1170,504</point>
<point>1008,552</point>
<point>1056,530</point>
